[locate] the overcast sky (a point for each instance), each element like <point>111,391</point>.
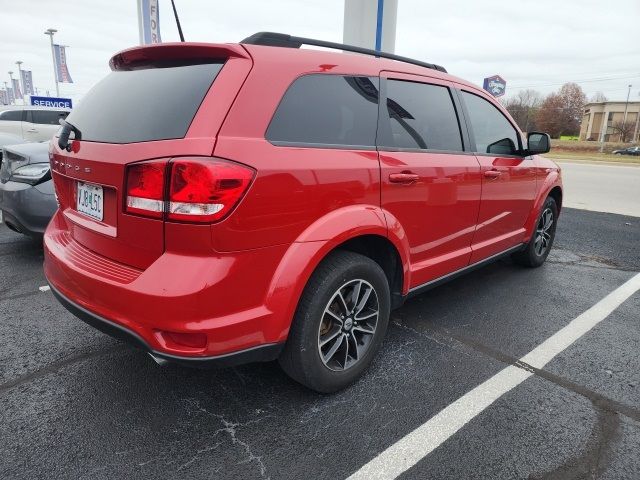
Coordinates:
<point>537,44</point>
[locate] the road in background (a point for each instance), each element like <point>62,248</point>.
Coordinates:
<point>602,187</point>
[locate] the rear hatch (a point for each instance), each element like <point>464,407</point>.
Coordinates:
<point>158,102</point>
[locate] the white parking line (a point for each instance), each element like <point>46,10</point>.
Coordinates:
<point>45,288</point>
<point>412,448</point>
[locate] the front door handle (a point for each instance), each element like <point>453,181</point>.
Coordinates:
<point>492,173</point>
<point>404,177</point>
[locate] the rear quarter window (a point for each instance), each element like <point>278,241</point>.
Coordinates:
<point>150,103</point>
<point>46,117</point>
<point>11,115</point>
<point>327,110</point>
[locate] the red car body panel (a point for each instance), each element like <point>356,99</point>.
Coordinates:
<point>238,281</point>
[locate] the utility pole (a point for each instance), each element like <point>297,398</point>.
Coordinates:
<point>624,119</point>
<point>51,32</point>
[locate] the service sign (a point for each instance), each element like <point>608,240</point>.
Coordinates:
<point>51,102</point>
<point>495,85</point>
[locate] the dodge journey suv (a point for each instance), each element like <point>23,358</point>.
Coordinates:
<point>233,203</point>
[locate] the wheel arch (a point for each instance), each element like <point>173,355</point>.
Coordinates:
<point>366,233</point>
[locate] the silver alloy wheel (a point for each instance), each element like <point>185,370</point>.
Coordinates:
<point>543,232</point>
<point>348,325</point>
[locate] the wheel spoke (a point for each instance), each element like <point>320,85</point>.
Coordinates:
<point>356,294</point>
<point>329,336</point>
<point>346,350</point>
<point>366,317</point>
<point>364,328</point>
<point>335,317</point>
<point>352,339</point>
<point>334,348</point>
<point>364,300</point>
<point>343,302</point>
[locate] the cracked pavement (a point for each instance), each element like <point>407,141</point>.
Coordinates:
<point>75,403</point>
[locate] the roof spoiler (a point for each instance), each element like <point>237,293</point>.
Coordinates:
<point>173,54</point>
<point>273,39</point>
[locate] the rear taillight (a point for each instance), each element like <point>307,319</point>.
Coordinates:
<point>145,188</point>
<point>199,190</point>
<point>205,190</point>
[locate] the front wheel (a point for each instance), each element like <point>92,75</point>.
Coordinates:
<point>537,250</point>
<point>339,324</point>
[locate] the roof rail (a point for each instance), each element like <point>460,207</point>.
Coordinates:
<point>273,39</point>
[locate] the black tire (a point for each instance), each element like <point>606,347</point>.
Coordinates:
<point>532,255</point>
<point>301,358</point>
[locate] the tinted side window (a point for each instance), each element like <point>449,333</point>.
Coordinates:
<point>421,116</point>
<point>327,110</point>
<point>47,117</point>
<point>492,131</point>
<point>11,115</point>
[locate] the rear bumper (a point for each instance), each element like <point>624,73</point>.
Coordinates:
<point>261,353</point>
<point>220,296</point>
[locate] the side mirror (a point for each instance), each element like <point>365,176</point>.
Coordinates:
<point>538,143</point>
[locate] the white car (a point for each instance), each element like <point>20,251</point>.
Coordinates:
<point>32,124</point>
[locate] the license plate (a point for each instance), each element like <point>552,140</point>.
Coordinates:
<point>90,200</point>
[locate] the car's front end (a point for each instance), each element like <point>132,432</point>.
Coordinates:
<point>27,198</point>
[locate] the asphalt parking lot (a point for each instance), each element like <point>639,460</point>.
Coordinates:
<point>75,403</point>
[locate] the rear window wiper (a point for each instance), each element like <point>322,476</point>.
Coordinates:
<point>67,128</point>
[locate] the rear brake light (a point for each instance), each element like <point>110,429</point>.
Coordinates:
<point>206,191</point>
<point>200,190</point>
<point>145,188</point>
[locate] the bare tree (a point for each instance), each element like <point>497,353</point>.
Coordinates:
<point>550,115</point>
<point>598,97</point>
<point>624,129</point>
<point>524,107</point>
<point>573,100</point>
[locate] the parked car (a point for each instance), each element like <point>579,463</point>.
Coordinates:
<point>270,209</point>
<point>27,198</point>
<point>32,124</point>
<point>8,139</point>
<point>627,151</point>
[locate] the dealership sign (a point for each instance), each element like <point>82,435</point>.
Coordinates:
<point>495,85</point>
<point>51,102</point>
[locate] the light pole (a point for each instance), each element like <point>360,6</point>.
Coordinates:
<point>15,97</point>
<point>51,32</point>
<point>7,90</point>
<point>20,82</point>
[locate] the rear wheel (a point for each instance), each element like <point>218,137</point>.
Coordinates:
<point>538,248</point>
<point>339,324</point>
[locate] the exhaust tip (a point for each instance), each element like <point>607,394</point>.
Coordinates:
<point>160,361</point>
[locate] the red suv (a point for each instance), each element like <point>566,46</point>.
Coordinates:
<point>231,203</point>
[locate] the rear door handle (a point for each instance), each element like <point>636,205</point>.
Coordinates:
<point>32,130</point>
<point>492,173</point>
<point>405,177</point>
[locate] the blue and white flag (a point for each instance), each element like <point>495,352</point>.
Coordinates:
<point>16,88</point>
<point>149,18</point>
<point>4,98</point>
<point>27,82</point>
<point>62,71</point>
<point>12,99</point>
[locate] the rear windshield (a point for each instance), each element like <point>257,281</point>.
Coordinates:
<point>142,105</point>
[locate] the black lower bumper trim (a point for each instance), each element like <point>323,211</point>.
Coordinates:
<point>261,353</point>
